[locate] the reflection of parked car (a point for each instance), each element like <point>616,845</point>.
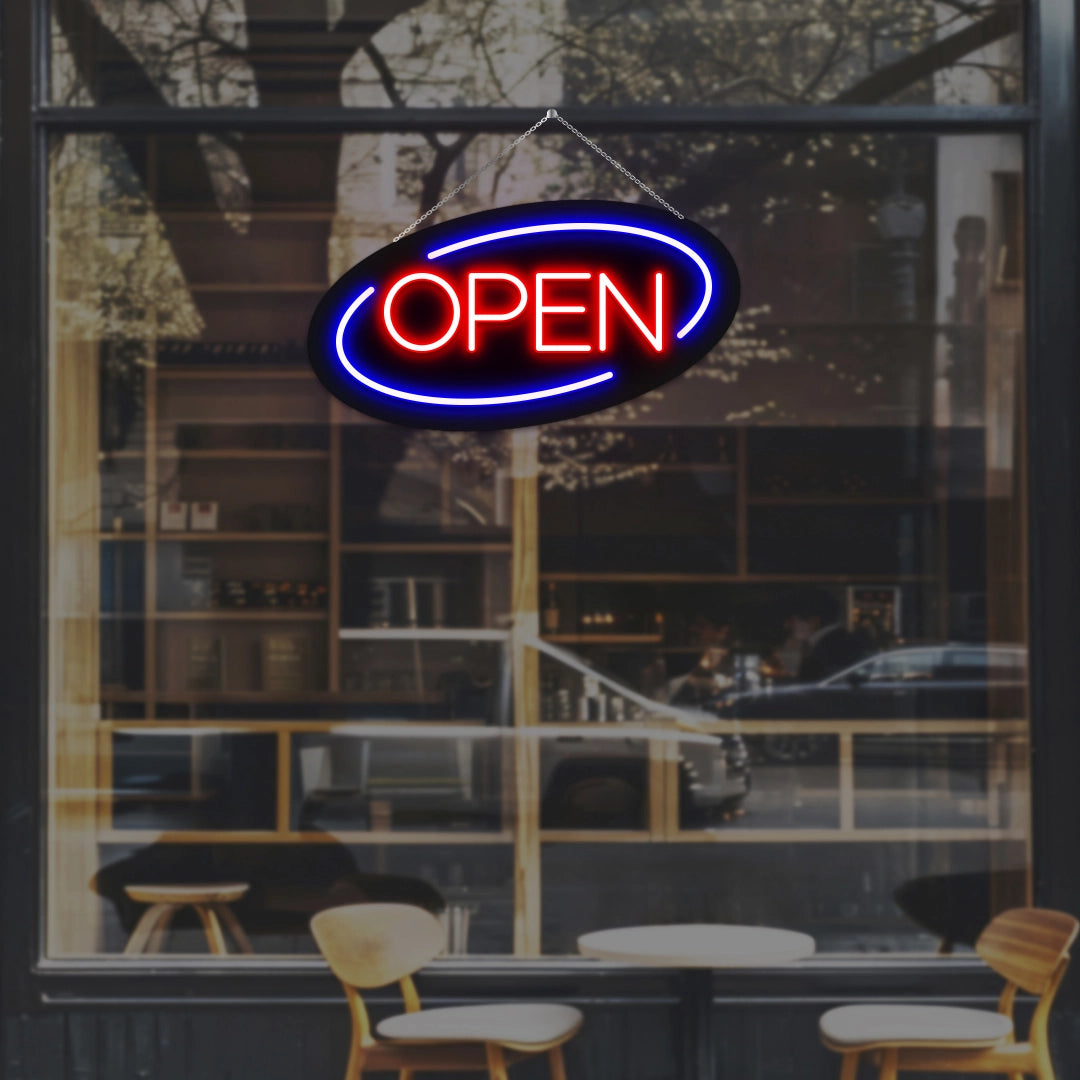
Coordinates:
<point>947,681</point>
<point>603,783</point>
<point>923,682</point>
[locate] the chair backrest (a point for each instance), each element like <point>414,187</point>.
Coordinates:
<point>1027,945</point>
<point>370,945</point>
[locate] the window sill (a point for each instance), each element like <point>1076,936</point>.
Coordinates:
<point>195,981</point>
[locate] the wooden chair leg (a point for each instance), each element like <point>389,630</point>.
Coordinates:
<point>889,1061</point>
<point>405,1074</point>
<point>849,1065</point>
<point>145,927</point>
<point>354,1067</point>
<point>496,1062</point>
<point>232,924</point>
<point>556,1065</point>
<point>214,937</point>
<point>1043,1063</point>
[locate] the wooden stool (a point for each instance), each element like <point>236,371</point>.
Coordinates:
<point>210,901</point>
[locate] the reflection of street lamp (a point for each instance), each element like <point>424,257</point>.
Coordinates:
<point>901,219</point>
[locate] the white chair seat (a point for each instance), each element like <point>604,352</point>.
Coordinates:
<point>863,1026</point>
<point>520,1024</point>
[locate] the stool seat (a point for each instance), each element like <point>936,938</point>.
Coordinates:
<point>209,901</point>
<point>187,894</point>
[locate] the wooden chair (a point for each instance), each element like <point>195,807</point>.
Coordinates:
<point>1029,948</point>
<point>373,945</point>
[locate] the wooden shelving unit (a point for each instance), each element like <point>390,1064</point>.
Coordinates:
<point>519,828</point>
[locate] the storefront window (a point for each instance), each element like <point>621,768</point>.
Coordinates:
<point>751,648</point>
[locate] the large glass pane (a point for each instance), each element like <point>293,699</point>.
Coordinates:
<point>534,53</point>
<point>774,667</point>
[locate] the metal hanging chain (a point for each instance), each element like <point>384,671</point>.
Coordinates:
<point>551,114</point>
<point>615,164</point>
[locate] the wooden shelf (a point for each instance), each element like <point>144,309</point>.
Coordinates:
<point>841,500</point>
<point>252,371</point>
<point>680,578</point>
<point>743,834</point>
<point>470,728</point>
<point>422,633</point>
<point>603,639</point>
<point>240,614</point>
<point>269,836</point>
<point>255,697</point>
<point>209,537</point>
<point>258,286</point>
<point>427,547</point>
<point>242,454</point>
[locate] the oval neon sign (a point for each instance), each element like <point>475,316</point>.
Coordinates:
<point>523,315</point>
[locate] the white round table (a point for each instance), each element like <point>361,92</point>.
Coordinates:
<point>698,949</point>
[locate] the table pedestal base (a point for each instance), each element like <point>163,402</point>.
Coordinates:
<point>698,1042</point>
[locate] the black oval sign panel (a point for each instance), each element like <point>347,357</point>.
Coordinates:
<point>523,315</point>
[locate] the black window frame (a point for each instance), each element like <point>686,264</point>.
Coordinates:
<point>1048,124</point>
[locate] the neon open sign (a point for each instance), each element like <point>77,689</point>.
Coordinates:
<point>523,315</point>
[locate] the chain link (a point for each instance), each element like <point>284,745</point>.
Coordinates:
<point>621,168</point>
<point>511,147</point>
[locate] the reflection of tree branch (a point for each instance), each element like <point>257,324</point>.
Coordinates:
<point>882,84</point>
<point>445,153</point>
<point>830,57</point>
<point>435,178</point>
<point>386,76</point>
<point>104,63</point>
<point>876,87</point>
<point>489,63</point>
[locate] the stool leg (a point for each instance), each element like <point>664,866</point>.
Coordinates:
<point>556,1065</point>
<point>889,1062</point>
<point>232,924</point>
<point>496,1062</point>
<point>140,936</point>
<point>212,927</point>
<point>157,938</point>
<point>849,1066</point>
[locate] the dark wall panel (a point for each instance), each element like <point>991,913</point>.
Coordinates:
<point>639,1041</point>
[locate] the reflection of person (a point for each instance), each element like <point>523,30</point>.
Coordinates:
<point>781,662</point>
<point>828,645</point>
<point>707,679</point>
<point>468,686</point>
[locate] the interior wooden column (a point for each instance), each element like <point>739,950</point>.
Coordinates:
<point>73,925</point>
<point>1005,525</point>
<point>1006,570</point>
<point>526,673</point>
